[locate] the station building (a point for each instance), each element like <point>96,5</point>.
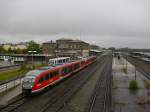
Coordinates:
<point>66,47</point>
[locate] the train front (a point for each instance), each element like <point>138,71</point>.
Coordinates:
<point>29,81</point>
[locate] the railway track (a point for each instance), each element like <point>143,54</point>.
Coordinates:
<point>20,100</point>
<point>60,102</point>
<point>58,97</point>
<point>10,67</point>
<point>140,66</point>
<point>100,100</point>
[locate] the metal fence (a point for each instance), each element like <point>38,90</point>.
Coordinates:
<point>6,85</point>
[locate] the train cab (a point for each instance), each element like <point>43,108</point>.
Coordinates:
<point>29,81</point>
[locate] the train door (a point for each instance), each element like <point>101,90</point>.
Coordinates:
<point>55,75</point>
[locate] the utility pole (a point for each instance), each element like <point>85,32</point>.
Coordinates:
<point>32,52</point>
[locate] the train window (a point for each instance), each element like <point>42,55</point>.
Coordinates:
<point>50,75</point>
<point>41,80</point>
<point>70,68</point>
<point>46,76</point>
<point>82,62</point>
<point>55,73</point>
<point>65,70</point>
<point>76,66</point>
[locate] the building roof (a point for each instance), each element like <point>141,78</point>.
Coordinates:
<point>49,42</point>
<point>64,39</point>
<point>77,41</point>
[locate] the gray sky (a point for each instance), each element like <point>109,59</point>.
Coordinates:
<point>118,23</point>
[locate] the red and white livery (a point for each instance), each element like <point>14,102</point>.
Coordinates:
<point>38,80</point>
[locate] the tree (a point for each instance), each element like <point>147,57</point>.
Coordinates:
<point>9,51</point>
<point>2,50</point>
<point>24,51</point>
<point>18,51</point>
<point>33,46</point>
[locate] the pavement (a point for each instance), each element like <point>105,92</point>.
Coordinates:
<point>123,99</point>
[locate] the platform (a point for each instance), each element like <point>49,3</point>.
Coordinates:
<point>124,100</point>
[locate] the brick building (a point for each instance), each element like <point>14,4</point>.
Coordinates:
<point>66,47</point>
<point>49,47</point>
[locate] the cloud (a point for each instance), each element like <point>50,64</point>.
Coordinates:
<point>46,19</point>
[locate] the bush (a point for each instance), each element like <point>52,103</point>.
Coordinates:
<point>133,85</point>
<point>147,84</point>
<point>33,67</point>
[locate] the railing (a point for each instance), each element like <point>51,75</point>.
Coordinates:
<point>8,84</point>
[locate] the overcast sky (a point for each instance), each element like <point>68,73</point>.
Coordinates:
<point>119,23</point>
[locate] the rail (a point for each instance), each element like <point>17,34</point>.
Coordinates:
<point>100,100</point>
<point>9,66</point>
<point>55,98</point>
<point>57,101</point>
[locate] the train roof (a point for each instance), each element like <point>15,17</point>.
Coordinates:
<point>34,73</point>
<point>38,71</point>
<point>45,69</point>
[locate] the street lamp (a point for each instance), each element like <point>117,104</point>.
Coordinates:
<point>32,55</point>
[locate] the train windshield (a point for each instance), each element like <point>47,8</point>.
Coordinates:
<point>33,73</point>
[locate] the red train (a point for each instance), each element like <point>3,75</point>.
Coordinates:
<point>37,80</point>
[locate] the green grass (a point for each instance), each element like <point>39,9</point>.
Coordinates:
<point>11,74</point>
<point>36,66</point>
<point>133,85</point>
<point>6,75</point>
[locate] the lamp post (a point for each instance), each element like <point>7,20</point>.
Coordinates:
<point>32,56</point>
